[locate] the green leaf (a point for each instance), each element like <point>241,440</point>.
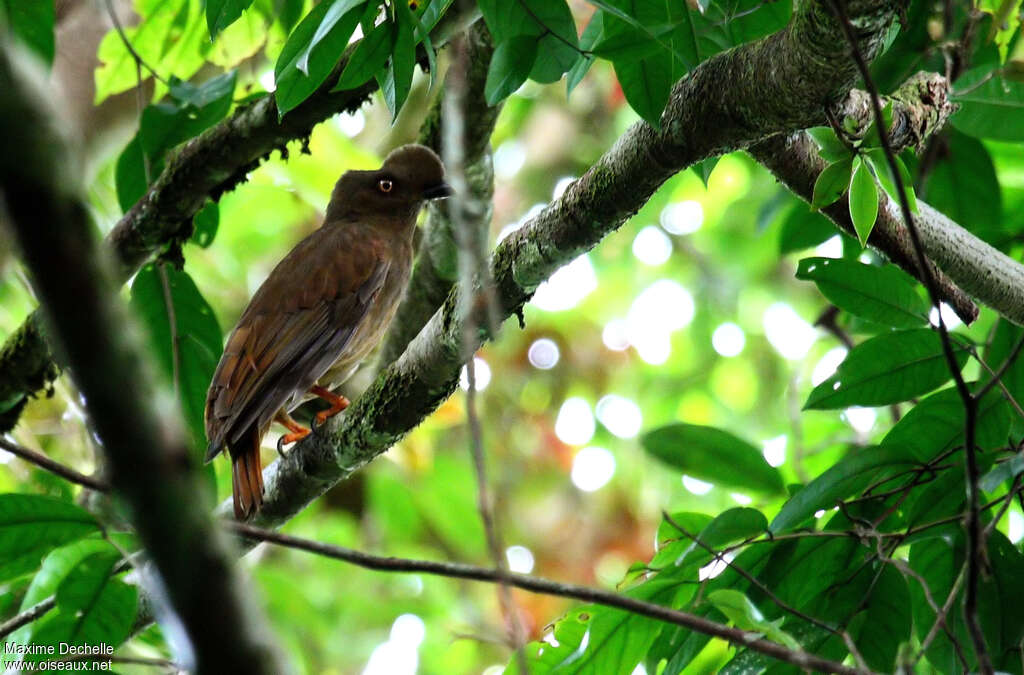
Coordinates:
<point>295,84</point>
<point>746,616</point>
<point>190,348</point>
<point>591,34</point>
<point>832,182</point>
<point>846,477</point>
<point>130,174</point>
<point>1002,473</point>
<point>863,201</point>
<point>883,294</point>
<point>830,147</point>
<point>646,84</point>
<point>93,607</point>
<point>194,110</point>
<point>150,38</point>
<point>704,168</point>
<point>204,224</point>
<point>336,12</point>
<point>510,66</point>
<point>715,455</point>
<point>32,525</point>
<point>888,368</point>
<point>990,106</point>
<point>936,425</point>
<point>963,185</point>
<point>886,622</point>
<point>804,228</point>
<point>55,568</point>
<point>676,548</point>
<point>222,13</point>
<point>368,58</point>
<point>396,81</point>
<point>550,21</point>
<point>880,166</point>
<point>32,22</point>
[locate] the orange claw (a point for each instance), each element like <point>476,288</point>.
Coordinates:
<point>338,403</point>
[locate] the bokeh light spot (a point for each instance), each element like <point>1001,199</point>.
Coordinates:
<point>575,422</point>
<point>592,468</point>
<point>543,354</point>
<point>728,339</point>
<point>620,415</point>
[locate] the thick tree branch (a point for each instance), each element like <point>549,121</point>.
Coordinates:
<point>148,458</point>
<point>735,636</point>
<point>919,109</point>
<point>205,167</point>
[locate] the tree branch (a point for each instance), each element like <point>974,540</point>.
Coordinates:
<point>920,108</point>
<point>735,636</point>
<point>149,461</point>
<point>56,468</point>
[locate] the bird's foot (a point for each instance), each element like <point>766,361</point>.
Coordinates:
<point>338,403</point>
<point>298,432</point>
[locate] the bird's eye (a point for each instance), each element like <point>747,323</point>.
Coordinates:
<point>385,185</point>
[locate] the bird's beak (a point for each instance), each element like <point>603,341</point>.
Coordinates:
<point>439,191</point>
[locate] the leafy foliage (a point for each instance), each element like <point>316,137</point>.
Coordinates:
<point>843,523</point>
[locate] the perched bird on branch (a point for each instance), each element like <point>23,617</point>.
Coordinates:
<point>320,312</point>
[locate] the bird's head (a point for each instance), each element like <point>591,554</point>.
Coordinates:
<point>410,176</point>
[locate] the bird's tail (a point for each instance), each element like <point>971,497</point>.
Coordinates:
<point>246,474</point>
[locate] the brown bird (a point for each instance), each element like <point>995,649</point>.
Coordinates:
<point>320,312</point>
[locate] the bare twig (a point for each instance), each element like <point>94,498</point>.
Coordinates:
<point>547,587</point>
<point>473,272</point>
<point>28,616</point>
<point>56,468</point>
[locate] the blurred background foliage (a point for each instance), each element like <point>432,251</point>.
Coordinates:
<point>689,313</point>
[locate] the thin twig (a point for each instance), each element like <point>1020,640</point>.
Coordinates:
<point>27,616</point>
<point>473,267</point>
<point>56,468</point>
<point>139,61</point>
<point>998,375</point>
<point>975,539</point>
<point>548,587</point>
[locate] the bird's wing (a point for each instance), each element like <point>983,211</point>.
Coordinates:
<point>295,327</point>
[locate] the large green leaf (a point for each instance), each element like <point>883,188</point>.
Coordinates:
<point>93,607</point>
<point>846,477</point>
<point>886,622</point>
<point>804,228</point>
<point>888,368</point>
<point>591,34</point>
<point>990,106</point>
<point>510,66</point>
<point>222,13</point>
<point>187,348</point>
<point>963,186</point>
<point>677,548</point>
<point>32,22</point>
<point>936,425</point>
<point>192,110</point>
<point>295,83</point>
<point>335,14</point>
<point>369,57</point>
<point>883,294</point>
<point>396,81</point>
<point>32,525</point>
<point>745,615</point>
<point>55,568</point>
<point>715,455</point>
<point>645,84</point>
<point>549,21</point>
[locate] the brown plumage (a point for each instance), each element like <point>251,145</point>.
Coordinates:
<point>320,312</point>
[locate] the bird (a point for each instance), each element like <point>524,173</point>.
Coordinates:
<point>319,313</point>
